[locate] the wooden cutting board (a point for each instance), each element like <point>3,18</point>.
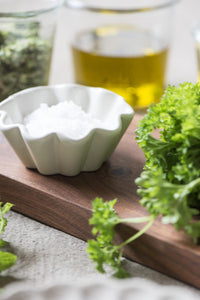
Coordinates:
<point>65,203</point>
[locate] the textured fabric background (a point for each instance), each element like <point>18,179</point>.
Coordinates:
<point>48,256</point>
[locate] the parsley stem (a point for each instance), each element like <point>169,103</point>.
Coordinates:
<point>136,220</point>
<point>193,183</point>
<point>138,234</point>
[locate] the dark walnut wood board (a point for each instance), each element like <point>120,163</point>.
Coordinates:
<point>65,203</point>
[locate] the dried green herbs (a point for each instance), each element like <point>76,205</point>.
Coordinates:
<point>24,57</point>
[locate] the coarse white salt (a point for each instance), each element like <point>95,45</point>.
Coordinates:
<point>64,118</point>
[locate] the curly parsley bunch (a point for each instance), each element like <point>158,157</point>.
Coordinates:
<point>169,186</point>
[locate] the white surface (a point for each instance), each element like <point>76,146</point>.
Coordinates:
<point>54,152</point>
<point>47,255</point>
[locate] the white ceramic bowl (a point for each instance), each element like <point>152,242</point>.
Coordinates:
<point>127,289</point>
<point>54,153</point>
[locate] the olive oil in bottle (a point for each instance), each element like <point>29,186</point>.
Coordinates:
<point>125,60</point>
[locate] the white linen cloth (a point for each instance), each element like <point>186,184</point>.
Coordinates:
<point>48,257</point>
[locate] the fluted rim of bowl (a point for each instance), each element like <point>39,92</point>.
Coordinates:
<point>60,136</point>
<point>109,288</point>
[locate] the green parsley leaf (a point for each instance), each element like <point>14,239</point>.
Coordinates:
<point>3,210</point>
<point>162,197</point>
<point>7,259</point>
<point>3,243</point>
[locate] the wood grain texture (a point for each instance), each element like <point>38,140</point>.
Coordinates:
<point>65,203</point>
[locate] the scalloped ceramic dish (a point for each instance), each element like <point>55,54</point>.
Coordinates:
<point>129,289</point>
<point>55,153</point>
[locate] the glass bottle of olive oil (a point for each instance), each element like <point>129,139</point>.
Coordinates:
<point>124,59</point>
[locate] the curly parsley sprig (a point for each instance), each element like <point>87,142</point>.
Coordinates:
<point>103,250</point>
<point>177,117</point>
<point>171,201</point>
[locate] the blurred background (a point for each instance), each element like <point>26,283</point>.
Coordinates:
<point>182,63</point>
<point>117,49</point>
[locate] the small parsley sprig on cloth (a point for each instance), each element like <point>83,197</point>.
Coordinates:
<point>169,186</point>
<point>103,251</point>
<point>7,259</point>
